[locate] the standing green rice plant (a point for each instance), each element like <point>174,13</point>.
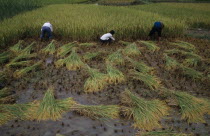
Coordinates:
<point>184,45</point>
<point>24,71</point>
<point>95,82</point>
<point>150,45</point>
<point>170,63</point>
<point>140,66</point>
<point>73,61</point>
<point>65,49</point>
<point>149,80</point>
<point>90,55</point>
<point>146,114</point>
<point>28,49</point>
<point>115,58</point>
<point>192,73</point>
<point>98,111</point>
<point>192,109</point>
<point>114,76</point>
<point>5,92</point>
<point>131,50</point>
<point>4,57</point>
<point>17,48</point>
<point>50,48</point>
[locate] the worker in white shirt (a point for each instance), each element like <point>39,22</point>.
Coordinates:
<point>46,29</point>
<point>107,38</point>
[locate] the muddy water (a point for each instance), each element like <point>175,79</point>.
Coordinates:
<point>70,84</point>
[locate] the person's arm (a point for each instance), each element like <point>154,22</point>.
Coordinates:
<point>51,27</point>
<point>112,38</point>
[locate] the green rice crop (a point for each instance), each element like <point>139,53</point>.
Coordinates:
<point>115,58</point>
<point>17,47</point>
<point>65,49</point>
<point>90,55</point>
<point>116,2</point>
<point>131,50</point>
<point>150,45</point>
<point>149,80</point>
<point>145,113</point>
<point>191,108</point>
<point>170,63</point>
<point>50,48</point>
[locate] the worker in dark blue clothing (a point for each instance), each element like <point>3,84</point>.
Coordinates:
<point>158,26</point>
<point>47,29</point>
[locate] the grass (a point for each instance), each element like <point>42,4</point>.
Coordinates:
<point>115,58</point>
<point>90,55</point>
<point>65,49</point>
<point>184,45</point>
<point>192,109</point>
<point>150,45</point>
<point>5,92</point>
<point>50,48</point>
<point>131,50</point>
<point>95,82</point>
<point>140,66</point>
<point>114,76</point>
<point>24,71</point>
<point>17,48</point>
<point>145,113</point>
<point>170,63</point>
<point>149,80</point>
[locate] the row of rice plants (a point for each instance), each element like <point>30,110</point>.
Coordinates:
<point>116,2</point>
<point>72,22</point>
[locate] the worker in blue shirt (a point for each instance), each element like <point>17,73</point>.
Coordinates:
<point>158,26</point>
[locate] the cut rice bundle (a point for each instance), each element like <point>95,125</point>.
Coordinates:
<point>87,44</point>
<point>115,58</point>
<point>150,45</point>
<point>184,45</point>
<point>4,57</point>
<point>125,43</point>
<point>18,64</point>
<point>149,80</point>
<point>191,73</point>
<point>131,50</point>
<point>28,49</point>
<point>17,48</point>
<point>23,57</point>
<point>146,114</point>
<point>59,63</point>
<point>170,63</point>
<point>65,49</point>
<point>4,118</point>
<point>5,92</point>
<point>114,76</point>
<point>90,55</point>
<point>50,48</point>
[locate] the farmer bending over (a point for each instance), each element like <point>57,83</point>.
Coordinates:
<point>158,26</point>
<point>107,38</point>
<point>46,29</point>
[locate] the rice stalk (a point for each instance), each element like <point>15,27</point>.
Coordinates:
<point>17,48</point>
<point>18,64</point>
<point>98,111</point>
<point>131,50</point>
<point>125,43</point>
<point>5,92</point>
<point>95,82</point>
<point>114,76</point>
<point>59,63</point>
<point>149,80</point>
<point>50,48</point>
<point>146,114</point>
<point>73,61</point>
<point>24,71</point>
<point>28,49</point>
<point>87,44</point>
<point>191,62</point>
<point>65,49</point>
<point>150,45</point>
<point>115,58</point>
<point>192,109</point>
<point>173,51</point>
<point>170,63</point>
<point>184,45</point>
<point>7,99</point>
<point>90,55</point>
<point>162,133</point>
<point>4,57</point>
<point>22,57</point>
<point>140,66</point>
<point>191,73</point>
<point>4,118</point>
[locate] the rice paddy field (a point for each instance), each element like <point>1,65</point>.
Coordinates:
<point>75,86</point>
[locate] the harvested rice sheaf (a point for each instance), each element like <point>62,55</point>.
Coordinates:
<point>23,57</point>
<point>98,111</point>
<point>115,58</point>
<point>5,92</point>
<point>191,73</point>
<point>28,49</point>
<point>114,76</point>
<point>8,99</point>
<point>17,48</point>
<point>18,64</point>
<point>95,82</point>
<point>131,50</point>
<point>59,63</point>
<point>184,45</point>
<point>90,55</point>
<point>149,80</point>
<point>125,43</point>
<point>4,57</point>
<point>192,109</point>
<point>65,49</point>
<point>4,118</point>
<point>87,44</point>
<point>50,48</point>
<point>170,63</point>
<point>150,45</point>
<point>146,114</point>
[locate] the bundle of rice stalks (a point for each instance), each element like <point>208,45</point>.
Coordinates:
<point>65,49</point>
<point>5,92</point>
<point>49,108</point>
<point>191,108</point>
<point>98,111</point>
<point>4,118</point>
<point>115,58</point>
<point>173,51</point>
<point>4,57</point>
<point>87,44</point>
<point>2,76</point>
<point>22,57</point>
<point>191,62</point>
<point>73,61</point>
<point>184,45</point>
<point>28,49</point>
<point>170,63</point>
<point>140,66</point>
<point>163,133</point>
<point>114,76</point>
<point>50,48</point>
<point>149,80</point>
<point>17,48</point>
<point>8,99</point>
<point>131,50</point>
<point>18,64</point>
<point>24,71</point>
<point>191,73</point>
<point>125,43</point>
<point>95,82</point>
<point>59,63</point>
<point>90,55</point>
<point>146,114</point>
<point>150,45</point>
